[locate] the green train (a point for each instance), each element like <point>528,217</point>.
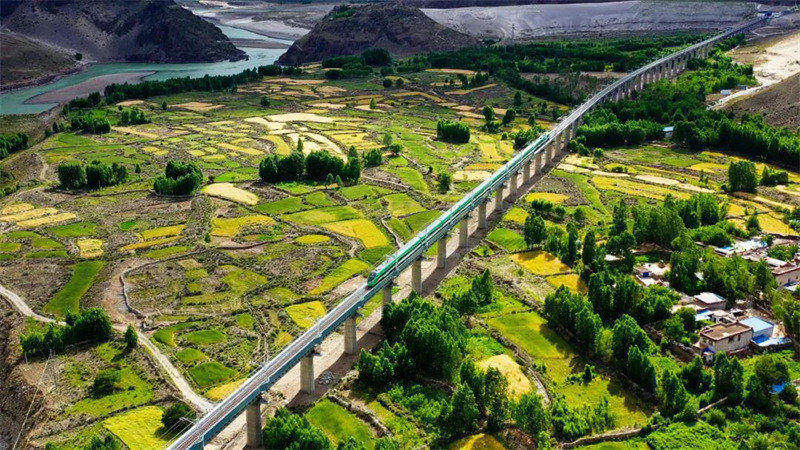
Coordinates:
<point>445,221</point>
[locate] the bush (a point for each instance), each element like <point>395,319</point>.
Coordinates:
<point>131,338</point>
<point>133,116</point>
<point>10,143</point>
<point>71,175</point>
<point>105,382</point>
<point>770,177</point>
<point>89,326</point>
<point>268,169</point>
<point>742,176</point>
<point>292,431</point>
<point>320,164</point>
<point>373,157</point>
<point>93,123</point>
<point>444,180</point>
<point>175,414</point>
<point>265,102</point>
<point>376,57</point>
<point>179,179</point>
<point>453,132</point>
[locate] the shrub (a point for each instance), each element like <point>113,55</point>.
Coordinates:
<point>320,163</point>
<point>373,158</point>
<point>10,143</point>
<point>71,175</point>
<point>105,382</point>
<point>133,116</point>
<point>292,431</point>
<point>265,102</point>
<point>131,338</point>
<point>454,132</point>
<point>180,178</point>
<point>387,83</point>
<point>444,180</point>
<point>376,57</point>
<point>268,169</point>
<point>770,177</point>
<point>176,413</point>
<point>93,123</point>
<point>742,176</point>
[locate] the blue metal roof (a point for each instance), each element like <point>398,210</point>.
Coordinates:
<point>758,324</point>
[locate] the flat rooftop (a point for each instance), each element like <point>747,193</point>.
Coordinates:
<point>724,330</point>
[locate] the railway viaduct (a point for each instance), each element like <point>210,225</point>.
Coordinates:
<point>536,158</point>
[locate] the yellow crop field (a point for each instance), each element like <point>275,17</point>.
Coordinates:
<point>468,91</point>
<point>46,220</point>
<point>223,390</point>
<point>540,263</point>
<point>27,214</point>
<point>148,244</point>
<point>547,196</point>
<point>484,166</point>
<point>771,224</point>
<point>135,132</point>
<point>15,208</point>
<point>518,383</point>
<point>305,314</point>
<point>160,232</point>
<point>366,231</point>
<point>735,210</point>
<point>196,153</point>
<point>156,151</point>
<point>214,158</point>
<point>516,215</point>
<point>633,188</point>
<point>572,281</point>
<point>281,147</point>
<point>357,139</point>
<point>138,428</point>
<point>310,239</point>
<point>477,442</point>
<point>230,192</point>
<point>231,226</point>
<point>708,167</point>
<point>240,149</point>
<point>489,151</point>
<point>90,247</point>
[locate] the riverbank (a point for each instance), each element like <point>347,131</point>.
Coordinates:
<point>96,84</point>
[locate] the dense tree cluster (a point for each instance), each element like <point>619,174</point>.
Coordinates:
<point>11,143</point>
<point>319,166</point>
<point>95,175</point>
<point>454,132</point>
<point>88,326</point>
<point>179,179</point>
<point>93,122</point>
<point>132,116</point>
<point>573,312</point>
<point>681,103</point>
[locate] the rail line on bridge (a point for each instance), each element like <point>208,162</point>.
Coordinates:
<point>534,158</point>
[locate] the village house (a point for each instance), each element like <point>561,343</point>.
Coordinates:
<point>709,300</point>
<point>723,337</point>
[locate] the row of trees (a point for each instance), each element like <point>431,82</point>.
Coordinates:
<point>93,122</point>
<point>88,326</point>
<point>118,92</point>
<point>132,116</point>
<point>451,131</point>
<point>11,143</point>
<point>318,166</point>
<point>95,175</point>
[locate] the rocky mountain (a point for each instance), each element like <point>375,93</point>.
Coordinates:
<point>113,30</point>
<point>25,61</point>
<point>402,30</point>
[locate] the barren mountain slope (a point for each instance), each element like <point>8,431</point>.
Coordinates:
<point>24,60</point>
<point>110,30</point>
<point>402,30</point>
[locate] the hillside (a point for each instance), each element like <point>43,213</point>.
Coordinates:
<point>23,60</point>
<point>402,30</point>
<point>134,31</point>
<point>779,103</point>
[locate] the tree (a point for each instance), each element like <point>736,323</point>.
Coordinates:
<point>461,416</point>
<point>640,369</point>
<point>626,333</point>
<point>696,378</point>
<point>453,132</point>
<point>517,100</point>
<point>376,57</point>
<point>373,158</point>
<point>131,338</point>
<point>752,225</point>
<point>673,395</point>
<point>531,415</point>
<point>588,254</point>
<point>572,248</point>
<point>444,180</point>
<point>534,230</point>
<point>620,220</point>
<point>509,117</point>
<point>292,166</point>
<point>488,113</point>
<point>728,379</point>
<point>742,176</point>
<point>105,382</point>
<point>265,102</point>
<point>107,443</point>
<point>268,169</point>
<point>320,164</point>
<point>292,431</point>
<point>71,175</point>
<point>177,414</point>
<point>180,178</point>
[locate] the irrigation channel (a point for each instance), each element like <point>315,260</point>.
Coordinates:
<point>536,157</point>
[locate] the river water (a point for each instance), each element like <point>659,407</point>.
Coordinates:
<point>14,102</point>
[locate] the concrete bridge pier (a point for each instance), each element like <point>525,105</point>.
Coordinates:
<point>513,186</point>
<point>307,383</point>
<point>387,294</point>
<point>441,252</point>
<point>463,231</point>
<point>526,172</point>
<point>482,215</point>
<point>254,423</point>
<point>498,196</point>
<point>416,275</point>
<point>350,340</point>
<point>537,165</point>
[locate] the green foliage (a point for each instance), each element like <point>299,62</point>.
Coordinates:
<point>376,57</point>
<point>728,378</point>
<point>105,382</point>
<point>673,395</point>
<point>742,176</point>
<point>12,143</point>
<point>89,326</point>
<point>573,312</point>
<point>523,137</point>
<point>291,431</point>
<point>74,175</point>
<point>373,158</point>
<point>490,389</point>
<point>627,334</point>
<point>771,177</point>
<point>534,230</point>
<point>572,422</point>
<point>454,132</point>
<point>531,415</point>
<point>783,252</point>
<point>94,122</point>
<point>177,414</point>
<point>180,178</point>
<point>71,175</point>
<point>133,116</point>
<point>656,224</point>
<point>478,295</point>
<point>443,182</point>
<point>461,415</point>
<point>131,339</point>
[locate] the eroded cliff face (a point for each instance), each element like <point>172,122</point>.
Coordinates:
<point>590,19</point>
<point>402,30</point>
<point>111,30</point>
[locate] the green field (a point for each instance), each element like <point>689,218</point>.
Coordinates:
<point>339,424</point>
<point>68,298</point>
